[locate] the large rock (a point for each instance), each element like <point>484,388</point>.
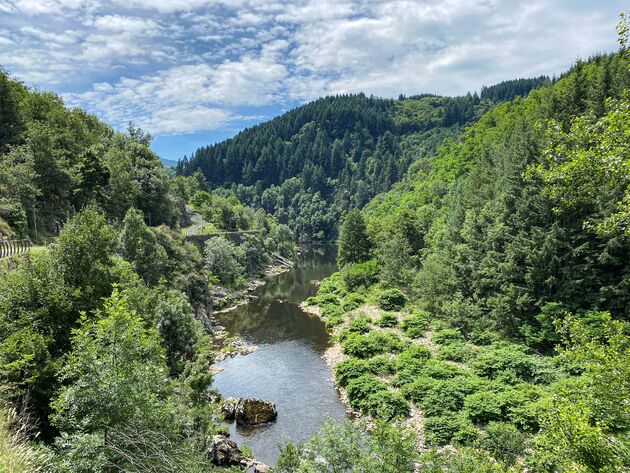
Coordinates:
<point>251,411</point>
<point>224,452</point>
<point>228,408</point>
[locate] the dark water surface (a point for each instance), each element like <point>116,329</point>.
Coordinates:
<point>287,368</point>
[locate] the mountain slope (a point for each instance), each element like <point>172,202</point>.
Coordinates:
<point>311,164</point>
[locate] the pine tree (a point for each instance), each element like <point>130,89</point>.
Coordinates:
<point>353,245</point>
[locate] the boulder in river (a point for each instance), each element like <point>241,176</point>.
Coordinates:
<point>224,452</point>
<point>251,411</point>
<point>228,408</point>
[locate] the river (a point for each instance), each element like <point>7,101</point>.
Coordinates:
<point>287,368</point>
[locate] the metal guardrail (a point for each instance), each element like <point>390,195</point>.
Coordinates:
<point>14,247</point>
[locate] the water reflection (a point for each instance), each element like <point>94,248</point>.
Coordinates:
<point>287,368</point>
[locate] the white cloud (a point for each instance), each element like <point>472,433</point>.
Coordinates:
<point>176,66</point>
<point>188,98</point>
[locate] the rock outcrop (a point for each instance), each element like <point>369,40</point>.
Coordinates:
<point>224,452</point>
<point>251,411</point>
<point>228,408</point>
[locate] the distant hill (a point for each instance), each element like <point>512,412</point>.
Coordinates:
<point>168,163</point>
<point>313,163</point>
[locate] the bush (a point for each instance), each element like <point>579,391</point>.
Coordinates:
<point>510,362</point>
<point>359,275</point>
<point>333,320</point>
<point>415,324</point>
<point>332,310</point>
<point>462,352</point>
<point>412,353</point>
<point>374,343</point>
<point>357,345</point>
<point>386,405</point>
<point>352,301</point>
<point>332,285</point>
<point>327,298</point>
<point>441,370</point>
<point>462,460</point>
<point>439,397</point>
<point>350,369</point>
<point>360,325</point>
<point>447,336</point>
<point>387,320</point>
<point>359,389</point>
<point>442,430</point>
<point>504,441</point>
<point>385,342</point>
<point>484,406</point>
<point>382,365</point>
<point>407,372</point>
<point>391,299</point>
<point>224,259</point>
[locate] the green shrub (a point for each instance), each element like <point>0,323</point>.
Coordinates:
<point>332,285</point>
<point>360,325</point>
<point>417,389</point>
<point>329,310</point>
<point>386,405</point>
<point>391,299</point>
<point>510,362</point>
<point>504,441</point>
<point>359,275</point>
<point>385,342</point>
<point>358,345</point>
<point>407,372</point>
<point>447,429</point>
<point>484,406</point>
<point>415,324</point>
<point>412,353</point>
<point>333,320</point>
<point>447,336</point>
<point>387,320</point>
<point>350,369</point>
<point>462,460</point>
<point>352,301</point>
<point>462,352</point>
<point>480,337</point>
<point>438,397</point>
<point>382,365</point>
<point>359,389</point>
<point>374,343</point>
<point>441,370</point>
<point>442,397</point>
<point>328,298</point>
<point>527,416</point>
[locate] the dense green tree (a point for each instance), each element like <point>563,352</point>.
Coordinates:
<point>83,254</point>
<point>353,245</point>
<point>115,373</point>
<point>224,259</point>
<point>11,124</point>
<point>138,244</point>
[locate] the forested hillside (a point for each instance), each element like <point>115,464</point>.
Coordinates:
<point>307,166</point>
<point>55,161</point>
<point>484,300</point>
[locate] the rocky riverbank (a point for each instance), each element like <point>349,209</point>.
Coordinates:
<point>225,300</point>
<point>334,355</point>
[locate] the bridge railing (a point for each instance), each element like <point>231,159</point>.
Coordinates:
<point>14,247</point>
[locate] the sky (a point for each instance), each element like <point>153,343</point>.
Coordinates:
<point>192,72</point>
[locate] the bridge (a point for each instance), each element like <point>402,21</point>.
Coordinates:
<point>237,236</point>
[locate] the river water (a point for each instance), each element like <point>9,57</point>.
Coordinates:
<point>287,368</point>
